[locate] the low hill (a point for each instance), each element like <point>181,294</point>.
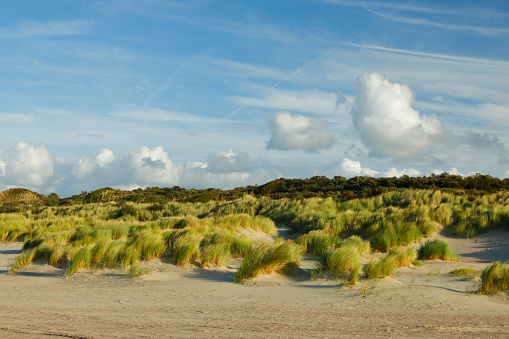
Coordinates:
<point>18,196</point>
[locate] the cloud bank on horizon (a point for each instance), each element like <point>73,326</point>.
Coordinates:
<point>216,94</point>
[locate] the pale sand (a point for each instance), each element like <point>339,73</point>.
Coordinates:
<point>37,302</point>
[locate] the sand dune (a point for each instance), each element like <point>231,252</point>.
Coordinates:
<point>38,302</point>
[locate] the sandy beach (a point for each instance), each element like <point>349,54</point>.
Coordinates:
<point>39,302</point>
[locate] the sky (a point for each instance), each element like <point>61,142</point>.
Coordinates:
<point>204,93</point>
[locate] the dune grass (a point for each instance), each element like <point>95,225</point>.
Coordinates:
<point>80,259</point>
<point>436,249</point>
<point>265,259</point>
<point>124,233</point>
<point>495,278</point>
<point>316,242</point>
<point>386,266</point>
<point>466,273</point>
<point>136,271</point>
<point>22,260</point>
<point>343,262</point>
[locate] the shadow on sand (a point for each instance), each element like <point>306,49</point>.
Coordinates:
<point>10,252</point>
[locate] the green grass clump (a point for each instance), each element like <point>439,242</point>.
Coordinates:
<point>184,246</point>
<point>130,256</point>
<point>136,271</point>
<point>386,266</point>
<point>405,256</point>
<point>215,248</point>
<point>112,253</point>
<point>343,262</point>
<point>316,242</point>
<point>242,220</point>
<point>119,231</point>
<point>98,251</point>
<point>241,245</point>
<point>80,259</point>
<point>436,249</point>
<point>150,244</point>
<point>23,259</point>
<point>495,278</point>
<point>266,259</point>
<point>466,273</point>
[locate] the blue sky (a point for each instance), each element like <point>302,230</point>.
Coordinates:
<point>131,93</point>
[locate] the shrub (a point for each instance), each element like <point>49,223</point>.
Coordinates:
<point>436,249</point>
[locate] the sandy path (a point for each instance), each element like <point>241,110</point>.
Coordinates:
<point>186,302</point>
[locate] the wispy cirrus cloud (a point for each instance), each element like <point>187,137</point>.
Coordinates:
<point>395,6</point>
<point>311,101</point>
<point>48,28</point>
<point>157,115</point>
<point>490,31</point>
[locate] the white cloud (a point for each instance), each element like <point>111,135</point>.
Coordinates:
<point>154,166</point>
<point>19,118</point>
<point>224,162</point>
<point>141,168</point>
<point>35,28</point>
<point>311,101</point>
<point>26,165</point>
<point>491,31</point>
<point>158,115</point>
<point>387,123</point>
<point>351,168</point>
<point>394,172</point>
<point>292,132</point>
<point>105,157</point>
<point>453,171</point>
<point>226,170</point>
<point>3,167</point>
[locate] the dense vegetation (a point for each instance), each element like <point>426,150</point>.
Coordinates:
<point>319,186</point>
<point>112,228</point>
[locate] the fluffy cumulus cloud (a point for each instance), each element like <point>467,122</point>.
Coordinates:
<point>350,168</point>
<point>33,167</point>
<point>140,168</point>
<point>487,142</point>
<point>225,162</point>
<point>225,170</point>
<point>292,132</point>
<point>387,123</point>
<point>26,165</point>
